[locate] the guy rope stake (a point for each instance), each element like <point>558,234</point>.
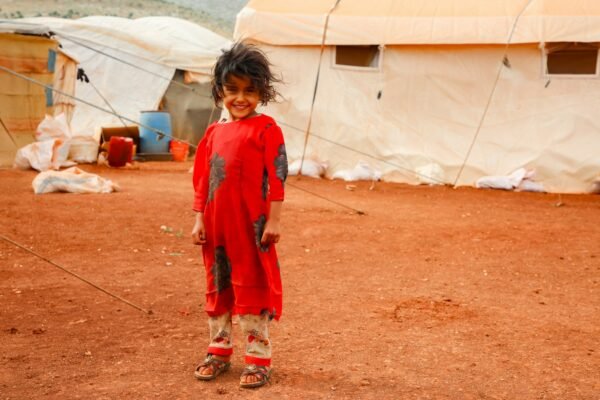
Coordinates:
<point>149,312</point>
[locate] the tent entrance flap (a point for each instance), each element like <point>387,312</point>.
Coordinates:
<point>191,110</point>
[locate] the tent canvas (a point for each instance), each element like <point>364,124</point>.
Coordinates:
<point>132,64</point>
<point>421,101</point>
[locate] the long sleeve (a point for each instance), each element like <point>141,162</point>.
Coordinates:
<point>201,172</point>
<point>275,159</point>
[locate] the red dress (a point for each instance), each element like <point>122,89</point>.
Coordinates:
<point>240,167</point>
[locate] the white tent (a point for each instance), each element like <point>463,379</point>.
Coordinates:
<point>408,82</point>
<point>132,62</point>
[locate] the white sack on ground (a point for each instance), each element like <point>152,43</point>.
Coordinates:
<point>528,185</point>
<point>311,168</point>
<point>53,128</point>
<point>362,172</point>
<point>51,149</point>
<point>72,180</point>
<point>521,179</point>
<point>83,149</point>
<point>42,156</point>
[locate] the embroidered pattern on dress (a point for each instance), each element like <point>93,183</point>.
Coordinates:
<point>265,184</point>
<point>221,269</point>
<point>281,164</point>
<point>259,228</point>
<point>217,174</point>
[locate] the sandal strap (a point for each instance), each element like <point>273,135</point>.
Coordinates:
<point>211,361</point>
<point>263,372</point>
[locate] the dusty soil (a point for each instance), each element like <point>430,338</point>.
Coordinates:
<point>436,293</point>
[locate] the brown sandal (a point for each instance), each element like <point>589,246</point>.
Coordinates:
<point>218,367</point>
<point>263,373</point>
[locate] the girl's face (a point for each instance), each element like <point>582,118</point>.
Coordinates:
<point>240,97</point>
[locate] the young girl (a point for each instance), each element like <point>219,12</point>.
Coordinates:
<point>239,174</point>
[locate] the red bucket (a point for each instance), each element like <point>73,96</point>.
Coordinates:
<point>120,151</point>
<point>179,150</point>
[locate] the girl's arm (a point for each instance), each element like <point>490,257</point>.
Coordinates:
<point>200,181</point>
<point>200,177</point>
<point>275,159</point>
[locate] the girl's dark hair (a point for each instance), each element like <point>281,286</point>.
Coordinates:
<point>244,60</point>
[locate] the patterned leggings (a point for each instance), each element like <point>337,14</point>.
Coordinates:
<point>254,327</point>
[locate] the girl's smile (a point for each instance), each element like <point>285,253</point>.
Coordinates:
<point>240,97</point>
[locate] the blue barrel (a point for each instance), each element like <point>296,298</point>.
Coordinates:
<point>149,140</point>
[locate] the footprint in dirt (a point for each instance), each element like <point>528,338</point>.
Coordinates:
<point>429,312</point>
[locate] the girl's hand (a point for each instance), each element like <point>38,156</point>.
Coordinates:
<point>198,232</point>
<point>271,233</point>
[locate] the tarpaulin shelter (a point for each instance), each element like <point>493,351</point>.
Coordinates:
<point>408,83</point>
<point>137,65</point>
<point>30,51</point>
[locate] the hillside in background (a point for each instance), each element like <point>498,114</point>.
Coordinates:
<point>217,15</point>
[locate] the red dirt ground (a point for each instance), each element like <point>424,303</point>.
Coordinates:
<point>436,293</point>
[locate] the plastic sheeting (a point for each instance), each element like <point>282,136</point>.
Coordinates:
<point>65,76</point>
<point>72,180</point>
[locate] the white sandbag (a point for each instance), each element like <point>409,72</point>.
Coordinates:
<point>72,180</point>
<point>53,128</point>
<point>502,182</point>
<point>42,156</point>
<point>531,186</point>
<point>312,168</point>
<point>362,172</point>
<point>83,149</point>
<point>51,149</point>
<point>430,174</point>
<point>56,128</point>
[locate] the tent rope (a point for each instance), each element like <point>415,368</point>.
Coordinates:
<point>109,105</point>
<point>49,87</point>
<point>366,154</point>
<point>501,66</point>
<point>114,113</point>
<point>10,135</point>
<point>81,278</point>
<point>355,210</point>
<point>314,97</point>
<point>307,131</point>
<point>158,132</point>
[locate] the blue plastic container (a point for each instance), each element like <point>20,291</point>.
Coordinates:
<point>149,140</point>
